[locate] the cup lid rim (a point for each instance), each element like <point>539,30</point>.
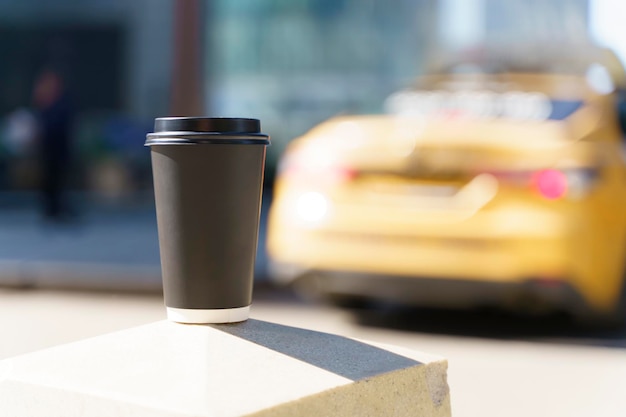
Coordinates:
<point>229,125</point>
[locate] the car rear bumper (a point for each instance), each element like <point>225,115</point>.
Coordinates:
<point>481,258</point>
<point>508,245</point>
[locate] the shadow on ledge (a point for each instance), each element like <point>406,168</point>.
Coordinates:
<point>337,354</point>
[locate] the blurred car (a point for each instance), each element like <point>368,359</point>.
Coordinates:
<point>503,188</point>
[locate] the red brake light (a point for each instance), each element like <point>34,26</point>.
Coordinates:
<point>342,174</point>
<point>551,183</point>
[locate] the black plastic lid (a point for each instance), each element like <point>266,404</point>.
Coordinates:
<point>207,124</point>
<point>206,130</point>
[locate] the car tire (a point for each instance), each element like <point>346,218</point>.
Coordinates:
<point>614,319</point>
<point>619,316</point>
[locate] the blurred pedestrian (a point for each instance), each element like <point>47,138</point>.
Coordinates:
<point>55,115</point>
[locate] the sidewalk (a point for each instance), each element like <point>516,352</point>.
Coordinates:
<point>107,248</point>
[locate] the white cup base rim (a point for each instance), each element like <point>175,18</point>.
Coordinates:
<point>208,316</point>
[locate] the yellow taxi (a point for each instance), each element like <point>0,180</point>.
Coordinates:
<point>503,188</point>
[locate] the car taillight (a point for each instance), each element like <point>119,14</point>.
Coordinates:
<point>342,174</point>
<point>551,183</point>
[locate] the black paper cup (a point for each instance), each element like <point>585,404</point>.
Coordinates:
<point>208,179</point>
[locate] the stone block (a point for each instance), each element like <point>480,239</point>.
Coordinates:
<point>254,368</point>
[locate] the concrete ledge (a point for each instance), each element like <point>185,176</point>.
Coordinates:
<point>253,368</point>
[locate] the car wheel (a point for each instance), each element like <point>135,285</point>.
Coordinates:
<point>619,318</point>
<point>614,319</point>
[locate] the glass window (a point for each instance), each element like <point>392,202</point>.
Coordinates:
<point>295,63</point>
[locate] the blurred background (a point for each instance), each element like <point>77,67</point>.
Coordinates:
<point>291,64</point>
<point>80,86</point>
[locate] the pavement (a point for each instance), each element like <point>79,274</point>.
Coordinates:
<point>106,246</point>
